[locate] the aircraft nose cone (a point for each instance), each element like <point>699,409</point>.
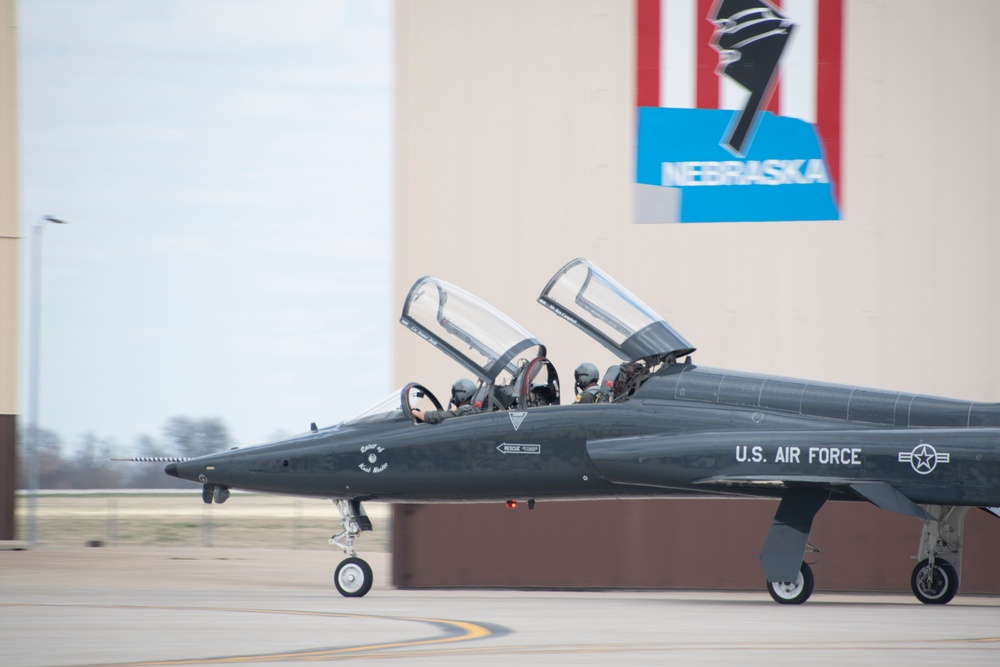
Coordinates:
<point>171,470</point>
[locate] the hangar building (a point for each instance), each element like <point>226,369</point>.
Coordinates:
<point>517,149</point>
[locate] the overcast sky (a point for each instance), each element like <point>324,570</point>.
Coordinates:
<point>225,170</point>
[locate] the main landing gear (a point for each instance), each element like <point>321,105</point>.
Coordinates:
<point>935,578</point>
<point>793,592</point>
<point>934,583</point>
<point>353,577</point>
<point>789,578</point>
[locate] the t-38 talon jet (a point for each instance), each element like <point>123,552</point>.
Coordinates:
<point>667,428</point>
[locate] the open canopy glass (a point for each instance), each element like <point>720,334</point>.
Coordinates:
<point>469,330</point>
<point>594,302</point>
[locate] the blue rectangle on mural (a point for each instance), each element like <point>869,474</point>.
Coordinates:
<point>783,175</point>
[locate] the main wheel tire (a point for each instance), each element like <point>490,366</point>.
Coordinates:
<point>793,592</point>
<point>934,585</point>
<point>353,577</point>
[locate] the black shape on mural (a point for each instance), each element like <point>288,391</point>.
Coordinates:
<point>750,37</point>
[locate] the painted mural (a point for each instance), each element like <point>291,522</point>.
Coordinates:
<point>738,110</point>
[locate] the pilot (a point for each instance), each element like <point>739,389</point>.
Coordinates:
<point>462,393</point>
<point>587,388</point>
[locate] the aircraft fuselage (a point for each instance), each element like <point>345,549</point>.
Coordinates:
<point>688,430</point>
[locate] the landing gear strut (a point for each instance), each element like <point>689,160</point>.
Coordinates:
<point>935,578</point>
<point>353,576</point>
<point>789,578</point>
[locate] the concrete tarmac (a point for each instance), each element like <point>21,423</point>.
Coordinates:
<point>147,606</point>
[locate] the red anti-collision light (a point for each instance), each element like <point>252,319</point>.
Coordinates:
<point>511,504</point>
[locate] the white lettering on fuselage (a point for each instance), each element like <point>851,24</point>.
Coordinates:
<point>372,465</point>
<point>787,455</point>
<point>847,456</point>
<point>505,448</point>
<point>843,456</point>
<point>754,454</point>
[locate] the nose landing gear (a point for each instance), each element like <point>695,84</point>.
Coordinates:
<point>353,576</point>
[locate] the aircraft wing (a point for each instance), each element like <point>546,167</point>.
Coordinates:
<point>881,494</point>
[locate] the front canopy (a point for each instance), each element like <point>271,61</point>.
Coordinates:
<point>467,329</point>
<point>594,302</point>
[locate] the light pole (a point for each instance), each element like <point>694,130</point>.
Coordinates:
<point>34,321</point>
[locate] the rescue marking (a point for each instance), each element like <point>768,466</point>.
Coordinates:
<point>504,448</point>
<point>516,418</point>
<point>372,466</point>
<point>924,458</point>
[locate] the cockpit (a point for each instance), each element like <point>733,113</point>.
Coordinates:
<point>595,303</point>
<point>510,363</point>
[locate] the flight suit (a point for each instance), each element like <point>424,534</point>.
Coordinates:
<point>591,394</point>
<point>438,416</point>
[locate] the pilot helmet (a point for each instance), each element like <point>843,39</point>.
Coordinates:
<point>586,373</point>
<point>462,391</point>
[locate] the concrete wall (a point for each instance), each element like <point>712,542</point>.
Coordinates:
<point>515,142</point>
<point>9,243</point>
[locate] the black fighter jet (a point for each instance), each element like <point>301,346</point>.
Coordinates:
<point>667,428</point>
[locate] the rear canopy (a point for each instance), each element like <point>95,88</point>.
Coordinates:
<point>596,304</point>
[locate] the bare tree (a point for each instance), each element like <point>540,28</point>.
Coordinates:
<point>196,437</point>
<point>145,475</point>
<point>91,467</point>
<point>52,469</point>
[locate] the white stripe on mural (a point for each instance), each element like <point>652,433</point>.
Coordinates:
<point>731,94</point>
<point>678,60</point>
<point>798,75</point>
<point>678,57</point>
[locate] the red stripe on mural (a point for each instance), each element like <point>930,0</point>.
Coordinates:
<point>706,81</point>
<point>647,53</point>
<point>773,102</point>
<point>829,72</point>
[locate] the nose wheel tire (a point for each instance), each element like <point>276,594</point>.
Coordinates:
<point>934,585</point>
<point>793,592</point>
<point>353,577</point>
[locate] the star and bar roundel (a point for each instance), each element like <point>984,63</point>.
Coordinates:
<point>738,110</point>
<point>924,458</point>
